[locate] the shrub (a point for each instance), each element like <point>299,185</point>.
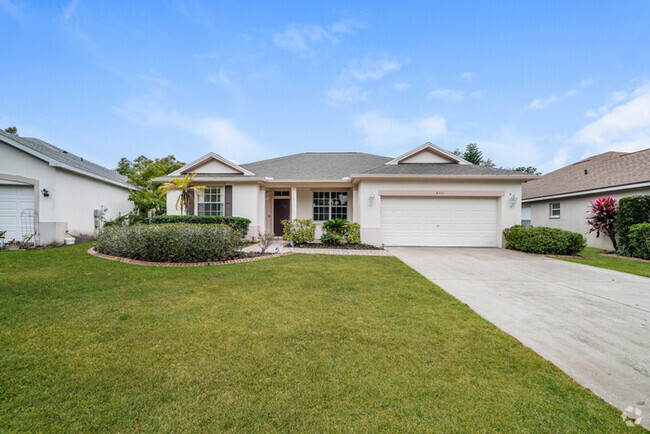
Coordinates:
<point>299,231</point>
<point>265,240</point>
<point>639,240</point>
<point>545,241</point>
<point>339,231</point>
<point>603,218</point>
<point>240,224</point>
<point>125,220</point>
<point>173,242</point>
<point>631,210</point>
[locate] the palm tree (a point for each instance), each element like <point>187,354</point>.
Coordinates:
<point>186,186</point>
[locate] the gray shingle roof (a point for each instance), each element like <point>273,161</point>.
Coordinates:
<point>316,165</point>
<point>436,169</point>
<point>67,159</point>
<point>601,171</point>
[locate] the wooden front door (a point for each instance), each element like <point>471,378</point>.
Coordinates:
<point>281,211</point>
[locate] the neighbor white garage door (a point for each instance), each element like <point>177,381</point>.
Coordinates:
<point>13,200</point>
<point>443,222</point>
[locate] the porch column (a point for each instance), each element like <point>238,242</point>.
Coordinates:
<point>355,204</point>
<point>294,203</point>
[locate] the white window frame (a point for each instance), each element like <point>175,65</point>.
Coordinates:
<point>553,211</point>
<point>220,195</point>
<point>329,205</point>
<point>526,211</point>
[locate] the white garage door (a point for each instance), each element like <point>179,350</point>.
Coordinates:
<point>443,222</point>
<point>13,200</point>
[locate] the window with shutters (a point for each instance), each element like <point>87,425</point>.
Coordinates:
<point>211,201</point>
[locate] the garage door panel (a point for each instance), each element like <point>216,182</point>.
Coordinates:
<point>13,200</point>
<point>445,222</point>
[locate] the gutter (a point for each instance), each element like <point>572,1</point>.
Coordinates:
<point>462,177</point>
<point>585,192</point>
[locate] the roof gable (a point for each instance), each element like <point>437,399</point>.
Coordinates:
<point>212,163</point>
<point>428,153</point>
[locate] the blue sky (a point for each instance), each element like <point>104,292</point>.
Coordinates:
<point>532,83</point>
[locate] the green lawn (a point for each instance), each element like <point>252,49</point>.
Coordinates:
<point>592,256</point>
<point>297,343</point>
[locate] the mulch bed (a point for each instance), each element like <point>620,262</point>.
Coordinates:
<point>616,255</point>
<point>336,246</point>
<point>242,257</point>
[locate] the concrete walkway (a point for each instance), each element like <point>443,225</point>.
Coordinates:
<point>283,247</point>
<point>592,323</point>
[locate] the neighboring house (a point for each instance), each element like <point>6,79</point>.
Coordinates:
<point>561,199</point>
<point>65,190</point>
<point>426,197</point>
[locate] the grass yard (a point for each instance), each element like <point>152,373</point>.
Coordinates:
<point>592,256</point>
<point>299,343</point>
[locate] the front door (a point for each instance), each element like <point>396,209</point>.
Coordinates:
<point>281,211</point>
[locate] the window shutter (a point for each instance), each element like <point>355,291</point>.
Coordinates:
<point>228,200</point>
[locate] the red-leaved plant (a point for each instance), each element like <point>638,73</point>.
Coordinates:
<point>603,218</point>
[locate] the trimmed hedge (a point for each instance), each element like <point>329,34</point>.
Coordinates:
<point>299,231</point>
<point>639,240</point>
<point>631,210</point>
<point>240,224</point>
<point>544,241</point>
<point>173,242</point>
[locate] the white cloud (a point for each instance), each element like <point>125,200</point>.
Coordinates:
<point>372,67</point>
<point>624,126</point>
<point>614,98</point>
<point>347,86</point>
<point>221,78</point>
<point>467,77</point>
<point>300,39</point>
<point>401,86</point>
<point>303,39</point>
<point>394,136</point>
<point>345,94</point>
<point>220,134</point>
<point>539,103</point>
<point>12,9</point>
<point>69,10</point>
<point>347,26</point>
<point>454,95</point>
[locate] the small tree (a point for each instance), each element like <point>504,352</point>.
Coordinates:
<point>186,186</point>
<point>603,218</point>
<point>11,130</point>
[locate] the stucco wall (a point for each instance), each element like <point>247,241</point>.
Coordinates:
<point>370,213</point>
<point>574,212</point>
<point>72,197</point>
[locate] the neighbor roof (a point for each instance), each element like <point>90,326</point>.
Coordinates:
<point>59,158</point>
<point>611,169</point>
<point>316,165</point>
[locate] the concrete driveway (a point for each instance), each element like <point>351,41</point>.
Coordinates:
<point>592,323</point>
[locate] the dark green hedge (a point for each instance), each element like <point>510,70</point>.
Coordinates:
<point>170,242</point>
<point>544,241</point>
<point>639,240</point>
<point>240,224</point>
<point>631,210</point>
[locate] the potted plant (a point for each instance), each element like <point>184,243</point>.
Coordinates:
<point>13,245</point>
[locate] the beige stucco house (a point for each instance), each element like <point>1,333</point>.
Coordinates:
<point>64,190</point>
<point>562,199</point>
<point>426,197</point>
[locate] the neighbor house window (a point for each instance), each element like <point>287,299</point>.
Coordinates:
<point>211,201</point>
<point>330,205</point>
<point>525,216</point>
<point>554,210</point>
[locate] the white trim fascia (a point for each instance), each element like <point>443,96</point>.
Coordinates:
<point>214,156</point>
<point>54,163</point>
<point>586,192</point>
<point>435,149</point>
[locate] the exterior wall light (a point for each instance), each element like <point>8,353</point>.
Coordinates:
<point>45,192</point>
<point>371,199</point>
<point>513,200</point>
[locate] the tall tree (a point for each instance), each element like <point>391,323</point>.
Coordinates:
<point>186,186</point>
<point>11,130</point>
<point>474,155</point>
<point>139,173</point>
<point>527,169</point>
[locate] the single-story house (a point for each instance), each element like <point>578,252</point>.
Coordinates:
<point>426,197</point>
<point>68,193</point>
<point>561,199</point>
